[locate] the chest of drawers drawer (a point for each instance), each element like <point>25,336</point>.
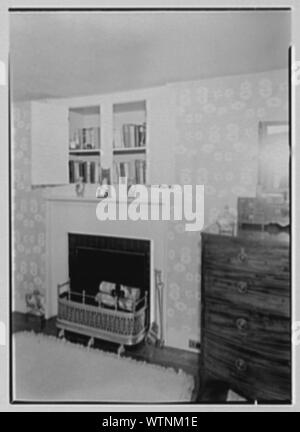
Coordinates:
<point>235,254</point>
<point>259,333</point>
<point>251,375</point>
<point>254,291</point>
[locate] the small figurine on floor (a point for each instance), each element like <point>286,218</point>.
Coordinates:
<point>35,305</point>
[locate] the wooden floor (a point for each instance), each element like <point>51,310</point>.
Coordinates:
<point>165,356</point>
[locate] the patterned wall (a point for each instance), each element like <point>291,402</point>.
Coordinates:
<point>217,144</point>
<point>29,214</point>
<point>217,136</point>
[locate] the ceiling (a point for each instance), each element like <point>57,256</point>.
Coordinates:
<point>61,54</point>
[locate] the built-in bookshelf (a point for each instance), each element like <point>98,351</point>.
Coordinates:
<point>84,144</point>
<point>130,142</point>
<point>100,137</point>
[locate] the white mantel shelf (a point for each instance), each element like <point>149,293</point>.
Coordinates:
<point>72,198</point>
<point>67,194</point>
<point>83,199</point>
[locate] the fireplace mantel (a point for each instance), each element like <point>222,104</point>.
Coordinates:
<point>70,214</point>
<point>67,193</point>
<point>89,199</point>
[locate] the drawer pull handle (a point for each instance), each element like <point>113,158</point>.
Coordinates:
<point>242,256</point>
<point>242,324</point>
<point>240,365</point>
<point>242,287</point>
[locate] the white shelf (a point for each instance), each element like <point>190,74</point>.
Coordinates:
<point>85,151</point>
<point>130,150</point>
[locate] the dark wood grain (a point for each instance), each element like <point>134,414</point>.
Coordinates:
<point>249,256</point>
<point>246,327</point>
<point>264,335</point>
<point>250,375</point>
<point>252,291</point>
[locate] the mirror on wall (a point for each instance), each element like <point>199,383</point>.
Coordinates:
<point>273,161</point>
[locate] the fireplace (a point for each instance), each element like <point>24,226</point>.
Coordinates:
<point>122,261</point>
<point>108,291</point>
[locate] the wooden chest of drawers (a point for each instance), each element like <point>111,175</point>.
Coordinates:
<point>246,327</point>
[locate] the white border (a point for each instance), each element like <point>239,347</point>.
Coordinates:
<point>4,371</point>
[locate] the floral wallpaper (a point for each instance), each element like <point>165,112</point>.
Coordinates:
<point>217,144</point>
<point>29,214</point>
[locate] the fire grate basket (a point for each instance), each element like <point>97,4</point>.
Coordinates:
<point>119,326</point>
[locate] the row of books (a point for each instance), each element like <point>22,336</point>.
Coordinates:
<point>131,135</point>
<point>85,139</point>
<point>134,170</point>
<point>88,170</point>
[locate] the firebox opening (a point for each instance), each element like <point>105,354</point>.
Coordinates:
<point>110,272</point>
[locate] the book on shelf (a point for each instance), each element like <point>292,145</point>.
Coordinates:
<point>116,172</point>
<point>140,171</point>
<point>133,135</point>
<point>71,171</point>
<point>126,136</point>
<point>124,169</point>
<point>132,128</point>
<point>76,171</point>
<point>88,170</point>
<point>118,139</point>
<point>142,135</point>
<point>93,172</point>
<point>82,171</point>
<point>134,170</point>
<point>97,172</point>
<point>137,136</point>
<point>85,139</point>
